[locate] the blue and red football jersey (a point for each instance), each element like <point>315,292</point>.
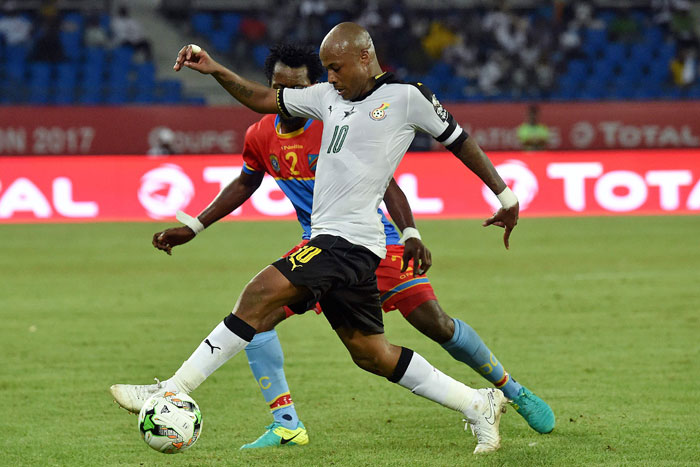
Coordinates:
<point>290,158</point>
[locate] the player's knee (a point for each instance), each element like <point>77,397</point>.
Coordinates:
<point>371,363</point>
<point>272,319</point>
<point>377,359</point>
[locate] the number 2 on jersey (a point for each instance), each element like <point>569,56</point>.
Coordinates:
<point>293,157</point>
<point>339,134</point>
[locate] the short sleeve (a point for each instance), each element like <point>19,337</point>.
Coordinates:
<point>426,113</point>
<point>251,152</point>
<point>306,102</point>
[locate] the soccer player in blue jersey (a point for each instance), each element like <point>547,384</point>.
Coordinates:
<point>411,370</point>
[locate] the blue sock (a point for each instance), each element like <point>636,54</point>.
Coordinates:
<point>466,346</point>
<point>266,360</point>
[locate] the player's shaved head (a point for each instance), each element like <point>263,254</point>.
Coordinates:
<point>348,53</point>
<point>348,38</point>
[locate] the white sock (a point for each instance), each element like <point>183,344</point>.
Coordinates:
<point>425,380</point>
<point>219,346</point>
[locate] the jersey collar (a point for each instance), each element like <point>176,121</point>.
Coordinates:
<point>380,79</point>
<point>293,133</point>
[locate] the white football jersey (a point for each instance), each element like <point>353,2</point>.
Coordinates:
<point>362,145</point>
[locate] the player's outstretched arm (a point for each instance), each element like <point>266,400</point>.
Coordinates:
<point>507,216</point>
<point>255,96</point>
<point>230,198</point>
<point>401,214</point>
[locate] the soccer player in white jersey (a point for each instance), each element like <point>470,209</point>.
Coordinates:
<point>369,122</point>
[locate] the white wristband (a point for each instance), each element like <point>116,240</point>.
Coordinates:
<point>191,222</point>
<point>409,232</point>
<point>507,198</point>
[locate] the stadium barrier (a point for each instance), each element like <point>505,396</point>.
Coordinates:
<point>214,130</point>
<point>142,188</point>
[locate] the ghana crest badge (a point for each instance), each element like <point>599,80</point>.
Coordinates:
<point>379,113</point>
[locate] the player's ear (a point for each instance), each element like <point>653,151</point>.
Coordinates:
<point>365,56</point>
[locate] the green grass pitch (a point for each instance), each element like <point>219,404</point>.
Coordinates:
<point>599,316</point>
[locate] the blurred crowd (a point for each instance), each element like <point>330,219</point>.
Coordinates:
<point>497,51</point>
<point>53,55</point>
<point>468,53</point>
<point>41,31</point>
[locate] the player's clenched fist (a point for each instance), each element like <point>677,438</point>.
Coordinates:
<point>169,238</point>
<point>194,57</point>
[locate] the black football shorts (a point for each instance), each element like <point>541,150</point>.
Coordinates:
<point>340,276</point>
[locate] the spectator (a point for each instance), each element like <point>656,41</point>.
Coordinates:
<point>163,144</point>
<point>695,15</point>
<point>664,9</point>
<point>683,28</point>
<point>95,35</point>
<point>529,53</point>
<point>584,16</point>
<point>532,134</point>
<point>312,13</point>
<point>684,67</point>
<point>370,18</point>
<point>48,47</point>
<point>491,73</point>
<point>15,28</point>
<point>279,28</point>
<point>496,20</point>
<point>396,40</point>
<point>511,34</point>
<point>439,37</point>
<point>544,74</point>
<point>543,35</point>
<point>624,28</point>
<point>253,29</point>
<point>462,56</point>
<point>128,31</point>
<point>570,41</point>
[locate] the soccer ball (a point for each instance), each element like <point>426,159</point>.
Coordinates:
<point>170,422</point>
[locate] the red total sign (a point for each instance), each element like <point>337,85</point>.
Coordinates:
<point>221,130</point>
<point>139,188</point>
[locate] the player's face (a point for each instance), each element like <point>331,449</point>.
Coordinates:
<point>284,76</point>
<point>347,72</point>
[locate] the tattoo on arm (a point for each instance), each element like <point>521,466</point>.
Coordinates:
<point>238,89</point>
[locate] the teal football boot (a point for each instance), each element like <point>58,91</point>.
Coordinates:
<point>534,410</point>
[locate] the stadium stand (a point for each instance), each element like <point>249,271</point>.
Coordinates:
<point>79,68</point>
<point>560,51</point>
<point>511,51</point>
